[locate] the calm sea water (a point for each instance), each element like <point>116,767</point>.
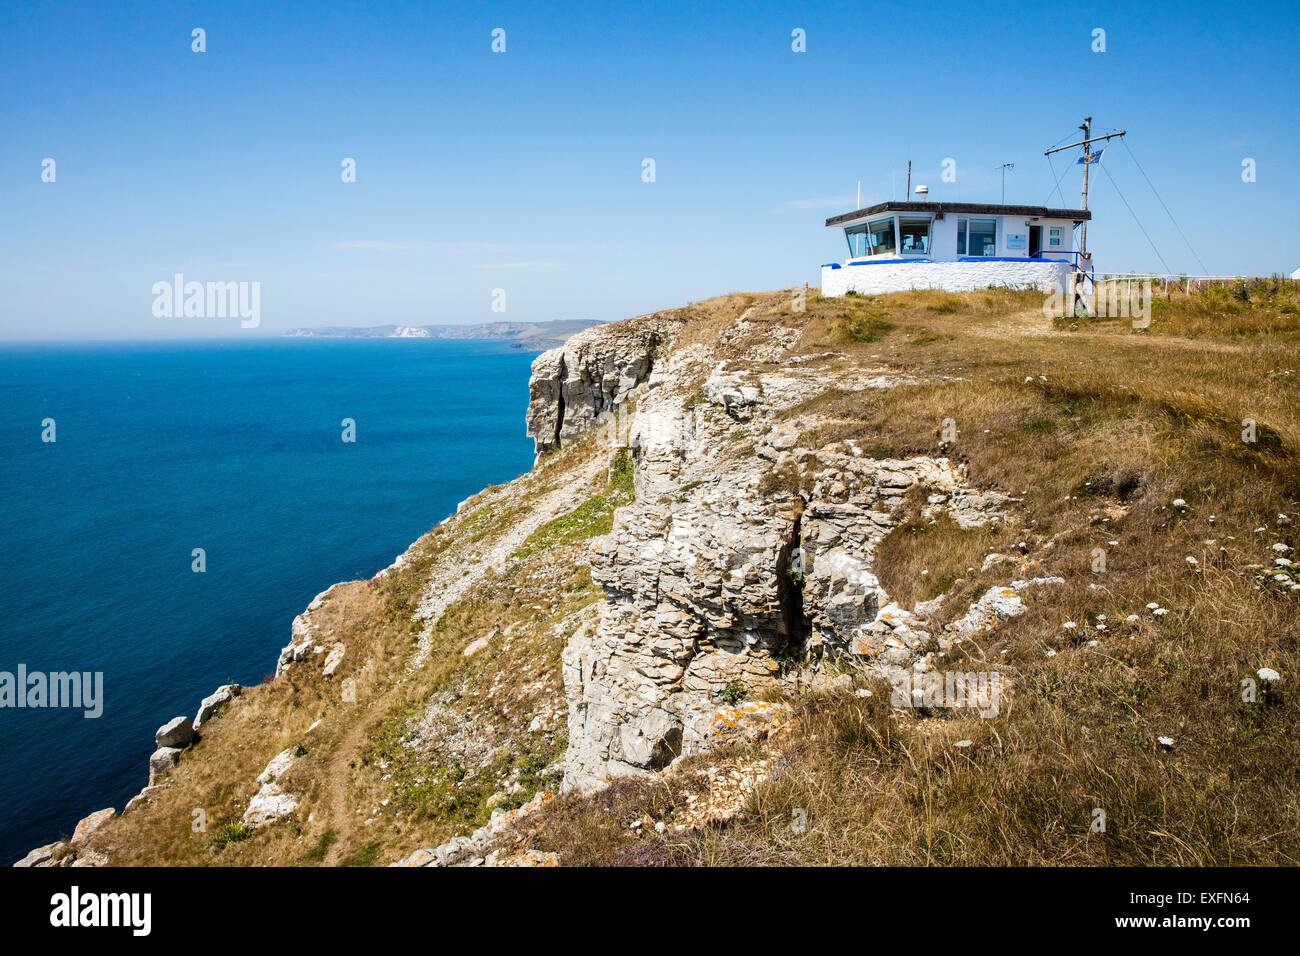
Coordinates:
<point>232,447</point>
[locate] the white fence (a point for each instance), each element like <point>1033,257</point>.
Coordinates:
<point>1186,281</point>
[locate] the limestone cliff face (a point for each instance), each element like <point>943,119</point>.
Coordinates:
<point>593,373</point>
<point>744,549</point>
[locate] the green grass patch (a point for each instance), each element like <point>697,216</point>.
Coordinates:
<point>864,327</point>
<point>234,832</point>
<point>592,518</point>
<point>365,856</point>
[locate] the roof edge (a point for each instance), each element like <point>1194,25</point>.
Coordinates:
<point>997,209</point>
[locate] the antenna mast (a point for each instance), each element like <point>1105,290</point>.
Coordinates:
<point>1004,167</point>
<point>1088,158</point>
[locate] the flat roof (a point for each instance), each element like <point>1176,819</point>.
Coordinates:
<point>977,208</point>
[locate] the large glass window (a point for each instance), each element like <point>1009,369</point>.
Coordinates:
<point>880,236</point>
<point>914,236</point>
<point>871,239</point>
<point>857,236</point>
<point>977,237</point>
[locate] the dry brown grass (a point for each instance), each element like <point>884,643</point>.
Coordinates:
<point>364,756</point>
<point>1097,431</point>
<point>1094,430</point>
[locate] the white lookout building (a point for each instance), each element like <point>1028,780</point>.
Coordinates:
<point>957,246</point>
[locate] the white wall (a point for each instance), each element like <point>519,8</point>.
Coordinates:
<point>886,276</point>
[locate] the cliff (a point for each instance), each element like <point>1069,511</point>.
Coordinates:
<point>796,585</point>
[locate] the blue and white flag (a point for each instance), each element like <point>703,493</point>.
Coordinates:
<point>1087,159</point>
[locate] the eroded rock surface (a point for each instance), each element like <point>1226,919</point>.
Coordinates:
<point>594,372</point>
<point>745,550</point>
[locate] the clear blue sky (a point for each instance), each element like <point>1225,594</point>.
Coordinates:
<point>522,170</point>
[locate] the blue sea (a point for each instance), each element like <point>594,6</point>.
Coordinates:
<point>235,448</point>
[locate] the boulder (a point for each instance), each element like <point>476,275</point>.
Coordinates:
<point>90,858</point>
<point>90,824</point>
<point>272,802</point>
<point>42,855</point>
<point>334,659</point>
<point>269,804</point>
<point>177,732</point>
<point>278,766</point>
<point>144,796</point>
<point>162,760</point>
<point>210,704</point>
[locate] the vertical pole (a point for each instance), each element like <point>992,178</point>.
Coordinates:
<point>1082,257</point>
<point>1083,227</point>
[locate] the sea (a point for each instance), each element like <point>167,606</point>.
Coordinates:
<point>236,448</point>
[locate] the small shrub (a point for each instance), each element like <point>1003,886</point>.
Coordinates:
<point>236,831</point>
<point>867,327</point>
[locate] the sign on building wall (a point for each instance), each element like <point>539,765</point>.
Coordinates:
<point>1016,240</point>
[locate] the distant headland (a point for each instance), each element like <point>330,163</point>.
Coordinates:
<point>535,336</point>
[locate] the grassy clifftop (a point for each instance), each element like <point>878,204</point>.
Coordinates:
<point>1153,471</point>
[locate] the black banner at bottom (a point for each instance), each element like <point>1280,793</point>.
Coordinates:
<point>176,905</point>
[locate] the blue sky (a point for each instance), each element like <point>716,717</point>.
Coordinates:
<point>522,170</point>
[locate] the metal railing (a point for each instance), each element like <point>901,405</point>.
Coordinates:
<point>1188,282</point>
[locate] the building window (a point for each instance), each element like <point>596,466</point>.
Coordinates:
<point>880,237</point>
<point>1054,237</point>
<point>871,239</point>
<point>977,237</point>
<point>914,236</point>
<point>857,236</point>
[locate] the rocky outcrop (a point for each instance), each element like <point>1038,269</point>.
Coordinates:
<point>170,739</point>
<point>745,550</point>
<point>592,374</point>
<point>272,801</point>
<point>209,706</point>
<point>41,856</point>
<point>90,824</point>
<point>307,636</point>
<point>472,850</point>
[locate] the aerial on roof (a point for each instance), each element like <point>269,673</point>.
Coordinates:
<point>978,208</point>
